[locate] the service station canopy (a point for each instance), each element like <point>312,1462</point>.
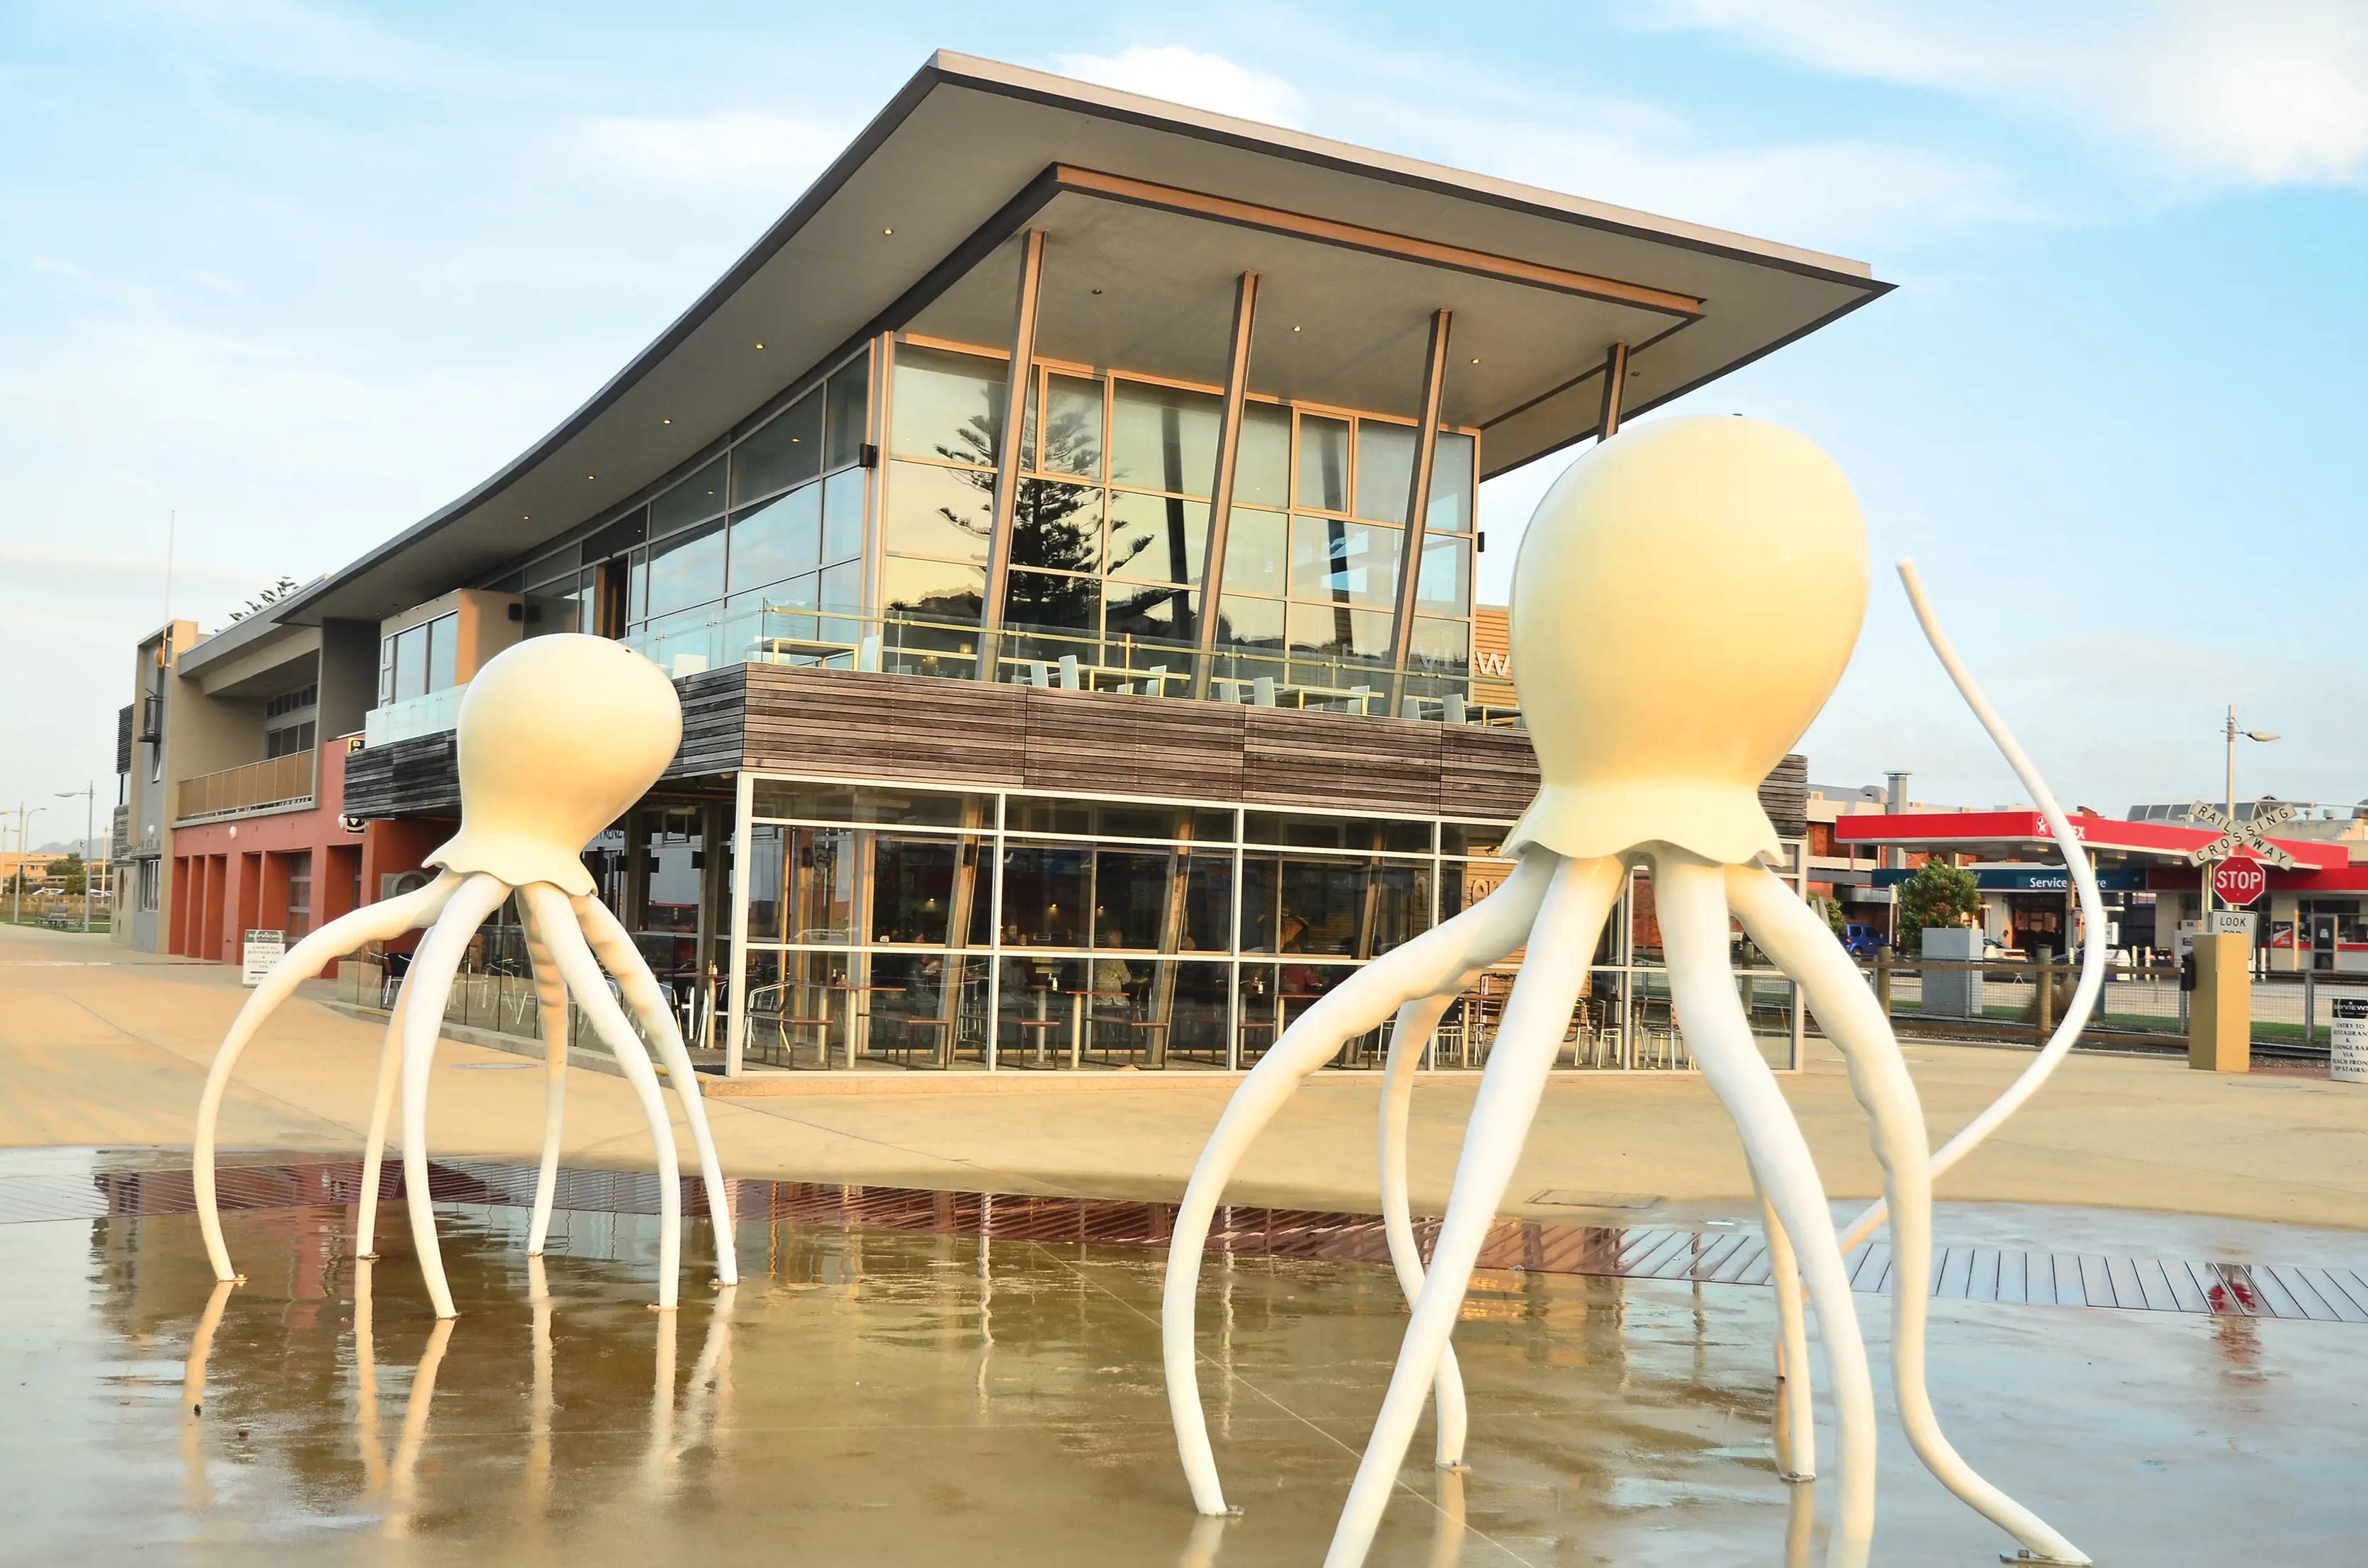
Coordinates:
<point>2160,849</point>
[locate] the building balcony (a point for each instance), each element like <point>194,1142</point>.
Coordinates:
<point>277,784</point>
<point>431,714</point>
<point>1045,658</point>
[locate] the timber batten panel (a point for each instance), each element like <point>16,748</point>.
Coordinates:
<point>415,777</point>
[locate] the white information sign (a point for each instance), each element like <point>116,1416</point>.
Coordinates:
<point>261,950</point>
<point>2349,1064</point>
<point>2228,923</point>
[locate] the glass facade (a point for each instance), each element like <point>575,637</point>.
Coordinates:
<point>800,543</point>
<point>1110,532</point>
<point>893,927</point>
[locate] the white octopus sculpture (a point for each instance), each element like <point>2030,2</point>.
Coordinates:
<point>558,737</point>
<point>1685,598</point>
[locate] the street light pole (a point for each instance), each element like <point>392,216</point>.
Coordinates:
<point>16,907</point>
<point>2233,733</point>
<point>89,793</point>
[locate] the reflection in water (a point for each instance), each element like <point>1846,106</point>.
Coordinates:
<point>193,1397</point>
<point>402,1485</point>
<point>373,1453</point>
<point>1801,1522</point>
<point>1200,1546</point>
<point>911,1395</point>
<point>535,1496</point>
<point>1447,1535</point>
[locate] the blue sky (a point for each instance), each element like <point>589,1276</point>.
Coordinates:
<point>302,273</point>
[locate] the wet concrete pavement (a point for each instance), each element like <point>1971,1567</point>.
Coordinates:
<point>873,1398</point>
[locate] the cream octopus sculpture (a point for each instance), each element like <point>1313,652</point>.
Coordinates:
<point>559,736</point>
<point>1685,598</point>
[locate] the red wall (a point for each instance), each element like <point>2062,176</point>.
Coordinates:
<point>230,877</point>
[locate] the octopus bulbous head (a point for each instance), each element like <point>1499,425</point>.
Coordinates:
<point>558,736</point>
<point>1685,599</point>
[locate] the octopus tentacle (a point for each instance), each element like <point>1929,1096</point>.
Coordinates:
<point>2084,879</point>
<point>1487,931</point>
<point>430,985</point>
<point>1417,1022</point>
<point>389,1062</point>
<point>1691,896</point>
<point>1577,902</point>
<point>557,919</point>
<point>371,923</point>
<point>1802,947</point>
<point>614,945</point>
<point>1796,1421</point>
<point>551,1022</point>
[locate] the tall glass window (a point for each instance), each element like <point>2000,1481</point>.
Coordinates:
<point>776,524</point>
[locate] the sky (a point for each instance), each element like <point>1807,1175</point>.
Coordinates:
<point>281,279</point>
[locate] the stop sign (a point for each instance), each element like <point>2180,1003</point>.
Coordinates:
<point>2238,881</point>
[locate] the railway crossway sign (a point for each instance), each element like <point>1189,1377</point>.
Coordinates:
<point>2248,839</point>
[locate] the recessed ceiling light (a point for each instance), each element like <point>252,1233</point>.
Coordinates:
<point>1096,290</point>
<point>591,476</point>
<point>760,345</point>
<point>1294,329</point>
<point>1476,361</point>
<point>526,518</point>
<point>669,421</point>
<point>887,231</point>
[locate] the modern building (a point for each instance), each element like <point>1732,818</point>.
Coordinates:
<point>1061,527</point>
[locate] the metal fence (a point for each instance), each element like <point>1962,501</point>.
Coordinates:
<point>2142,1008</point>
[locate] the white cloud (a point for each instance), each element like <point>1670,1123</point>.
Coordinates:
<point>1188,76</point>
<point>2216,89</point>
<point>732,147</point>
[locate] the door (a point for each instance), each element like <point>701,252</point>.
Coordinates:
<point>2322,942</point>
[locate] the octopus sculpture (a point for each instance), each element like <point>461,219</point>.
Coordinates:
<point>1685,600</point>
<point>558,736</point>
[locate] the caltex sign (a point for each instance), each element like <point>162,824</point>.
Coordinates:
<point>2238,881</point>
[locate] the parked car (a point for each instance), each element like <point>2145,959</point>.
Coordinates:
<point>1861,940</point>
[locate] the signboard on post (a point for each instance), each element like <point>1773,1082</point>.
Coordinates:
<point>2228,923</point>
<point>2348,1062</point>
<point>2239,881</point>
<point>258,953</point>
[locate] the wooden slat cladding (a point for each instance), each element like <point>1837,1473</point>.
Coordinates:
<point>1489,773</point>
<point>845,725</point>
<point>713,732</point>
<point>1330,760</point>
<point>1492,656</point>
<point>417,777</point>
<point>1104,743</point>
<point>1785,796</point>
<point>827,723</point>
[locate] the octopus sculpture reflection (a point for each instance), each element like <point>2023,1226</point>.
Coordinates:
<point>1685,598</point>
<point>558,737</point>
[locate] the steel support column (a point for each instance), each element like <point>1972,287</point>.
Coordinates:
<point>1007,461</point>
<point>1426,451</point>
<point>1221,508</point>
<point>1615,389</point>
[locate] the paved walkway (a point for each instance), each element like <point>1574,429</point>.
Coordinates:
<point>99,1046</point>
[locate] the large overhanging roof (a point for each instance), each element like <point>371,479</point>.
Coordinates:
<point>911,226</point>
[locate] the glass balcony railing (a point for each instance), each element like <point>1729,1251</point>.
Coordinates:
<point>414,716</point>
<point>1070,659</point>
<point>1056,658</point>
